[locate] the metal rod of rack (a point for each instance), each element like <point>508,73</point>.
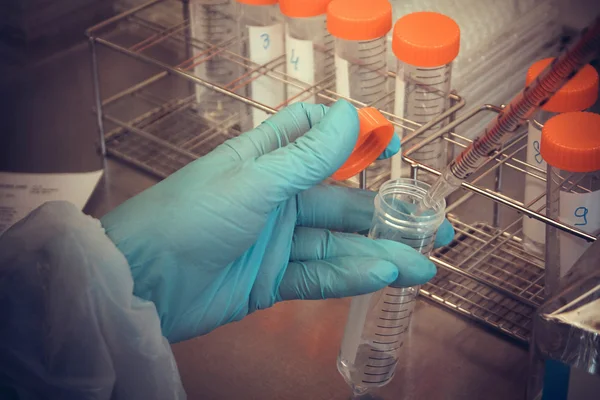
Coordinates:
<point>487,193</point>
<point>97,96</point>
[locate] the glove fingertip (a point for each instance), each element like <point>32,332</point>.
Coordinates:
<point>383,271</point>
<point>392,148</point>
<point>428,271</point>
<point>344,106</point>
<point>445,234</point>
<point>419,274</point>
<point>344,116</point>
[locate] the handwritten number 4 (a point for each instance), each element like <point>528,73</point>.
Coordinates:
<point>294,60</point>
<point>581,212</point>
<point>266,40</point>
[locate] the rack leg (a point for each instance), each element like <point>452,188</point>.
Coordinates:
<point>449,148</point>
<point>363,179</point>
<point>414,172</point>
<point>189,52</point>
<point>97,96</point>
<point>498,189</point>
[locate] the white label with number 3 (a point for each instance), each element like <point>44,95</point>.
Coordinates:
<point>266,43</point>
<point>582,211</point>
<point>300,65</point>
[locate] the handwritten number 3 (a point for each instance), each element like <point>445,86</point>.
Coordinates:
<point>581,212</point>
<point>266,40</point>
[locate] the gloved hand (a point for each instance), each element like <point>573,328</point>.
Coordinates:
<point>249,225</point>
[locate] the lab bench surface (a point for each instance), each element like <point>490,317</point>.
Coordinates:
<point>288,351</point>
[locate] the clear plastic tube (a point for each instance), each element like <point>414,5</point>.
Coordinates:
<point>573,198</point>
<point>570,145</point>
<point>378,323</point>
<point>309,55</point>
<point>361,75</point>
<point>579,93</point>
<point>421,96</point>
<point>423,79</point>
<point>534,231</point>
<point>262,28</point>
<point>361,70</point>
<point>213,25</point>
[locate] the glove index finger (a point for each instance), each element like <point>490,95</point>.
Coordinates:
<point>313,157</point>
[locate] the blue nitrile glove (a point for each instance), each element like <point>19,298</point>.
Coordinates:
<point>249,225</point>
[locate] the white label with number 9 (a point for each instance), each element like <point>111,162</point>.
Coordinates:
<point>582,211</point>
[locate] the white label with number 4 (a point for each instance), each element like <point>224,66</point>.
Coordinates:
<point>300,65</point>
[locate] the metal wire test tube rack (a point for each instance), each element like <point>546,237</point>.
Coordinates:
<point>153,123</point>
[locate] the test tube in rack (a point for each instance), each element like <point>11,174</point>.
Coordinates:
<point>425,43</point>
<point>580,93</point>
<point>213,28</point>
<point>309,47</point>
<point>360,29</point>
<point>571,147</point>
<point>261,26</point>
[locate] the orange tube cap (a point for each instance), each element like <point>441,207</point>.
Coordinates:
<point>303,8</point>
<point>374,135</point>
<point>359,19</point>
<point>571,141</point>
<point>426,39</point>
<point>578,94</point>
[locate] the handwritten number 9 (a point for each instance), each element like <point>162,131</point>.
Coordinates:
<point>294,60</point>
<point>581,212</point>
<point>266,40</point>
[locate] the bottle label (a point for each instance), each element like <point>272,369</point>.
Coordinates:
<point>300,62</point>
<point>532,228</point>
<point>582,211</point>
<point>342,76</point>
<point>266,43</point>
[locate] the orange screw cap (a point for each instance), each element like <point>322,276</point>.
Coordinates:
<point>571,141</point>
<point>359,19</point>
<point>374,135</point>
<point>578,94</point>
<point>303,8</point>
<point>426,39</point>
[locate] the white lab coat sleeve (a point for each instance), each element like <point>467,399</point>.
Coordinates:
<point>70,327</point>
